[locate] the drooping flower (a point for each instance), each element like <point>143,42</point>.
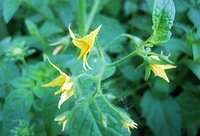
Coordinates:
<point>66,86</point>
<point>158,70</point>
<point>63,119</point>
<point>85,44</point>
<point>127,122</point>
<point>129,125</point>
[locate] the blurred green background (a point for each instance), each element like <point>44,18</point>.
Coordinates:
<point>30,30</point>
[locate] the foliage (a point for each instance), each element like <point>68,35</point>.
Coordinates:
<point>138,39</point>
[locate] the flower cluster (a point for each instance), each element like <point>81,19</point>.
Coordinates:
<point>86,43</point>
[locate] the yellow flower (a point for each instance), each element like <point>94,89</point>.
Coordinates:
<point>127,125</point>
<point>62,120</point>
<point>158,70</point>
<point>66,87</point>
<point>126,121</point>
<point>85,44</point>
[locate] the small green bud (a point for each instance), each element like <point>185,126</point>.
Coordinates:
<point>17,51</point>
<point>104,120</point>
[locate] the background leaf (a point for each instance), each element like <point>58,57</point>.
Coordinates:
<point>22,82</point>
<point>87,122</point>
<point>17,106</point>
<point>32,28</point>
<point>10,7</point>
<point>161,115</point>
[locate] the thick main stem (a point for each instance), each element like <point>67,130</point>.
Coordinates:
<point>92,14</point>
<point>81,13</point>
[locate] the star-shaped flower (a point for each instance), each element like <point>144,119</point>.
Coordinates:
<point>158,70</point>
<point>66,86</point>
<point>85,44</point>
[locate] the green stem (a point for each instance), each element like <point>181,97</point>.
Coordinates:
<point>144,43</point>
<point>122,60</point>
<point>99,51</point>
<point>81,13</point>
<point>131,54</point>
<point>95,102</point>
<point>104,98</point>
<point>92,14</point>
<point>86,75</point>
<point>91,97</point>
<point>115,40</point>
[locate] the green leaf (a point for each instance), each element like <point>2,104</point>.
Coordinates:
<point>163,17</point>
<point>95,63</point>
<point>32,28</point>
<point>130,7</point>
<point>113,7</point>
<point>41,7</point>
<point>196,51</point>
<point>150,5</point>
<point>49,28</point>
<point>50,111</point>
<point>129,72</point>
<point>22,82</point>
<point>4,45</point>
<point>17,106</point>
<point>86,121</point>
<point>10,7</point>
<point>65,12</point>
<point>160,88</point>
<point>194,67</point>
<point>109,31</point>
<point>189,107</point>
<point>193,14</point>
<point>161,115</point>
<point>36,73</point>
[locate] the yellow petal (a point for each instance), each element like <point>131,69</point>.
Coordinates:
<point>83,51</point>
<point>70,31</point>
<point>57,68</point>
<point>168,66</point>
<point>78,42</point>
<point>159,71</point>
<point>86,63</point>
<point>60,118</point>
<point>64,124</point>
<point>64,96</point>
<point>56,82</point>
<point>59,91</point>
<point>67,86</point>
<point>90,38</point>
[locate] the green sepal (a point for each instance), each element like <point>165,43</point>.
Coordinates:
<point>165,59</point>
<point>140,66</point>
<point>147,70</point>
<point>155,61</point>
<point>124,117</point>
